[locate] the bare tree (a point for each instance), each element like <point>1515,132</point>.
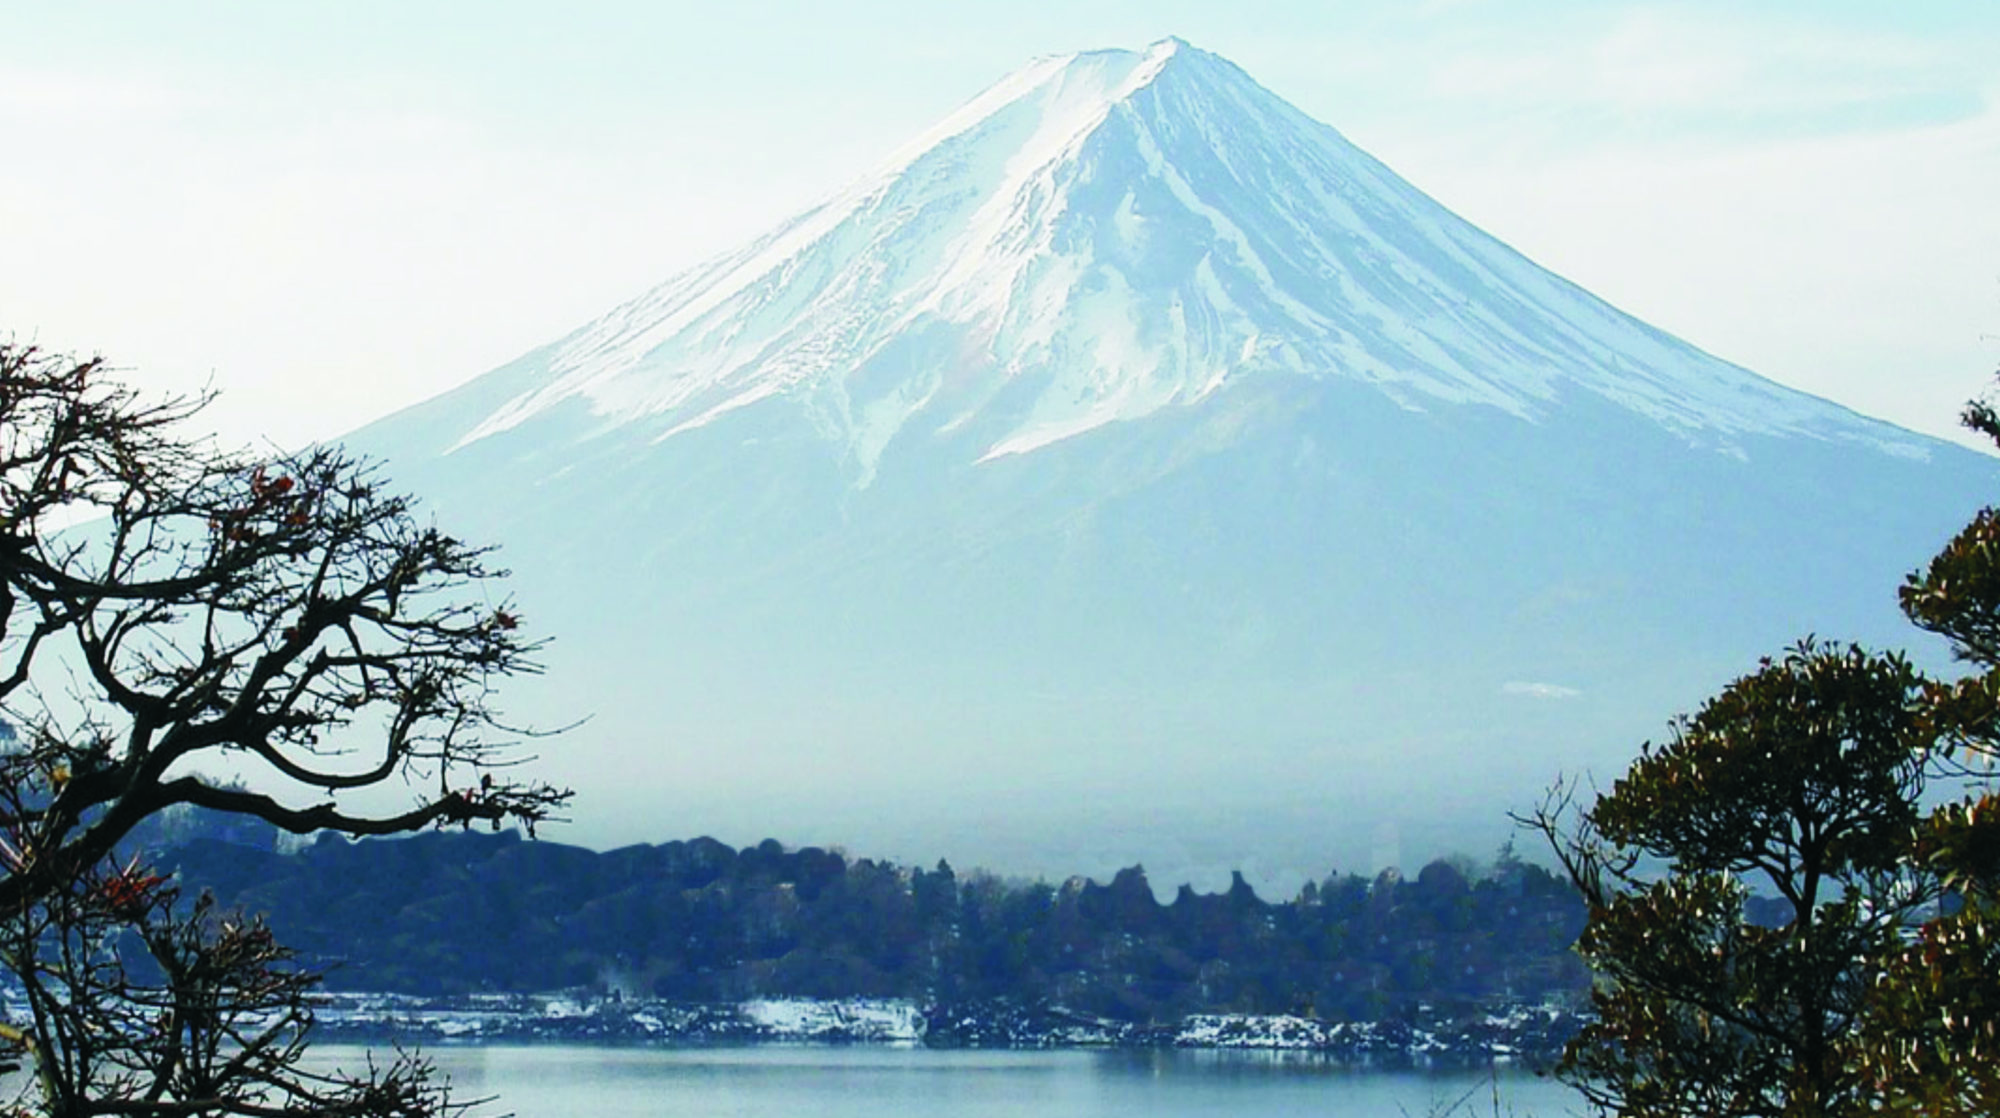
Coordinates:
<point>178,625</point>
<point>134,1004</point>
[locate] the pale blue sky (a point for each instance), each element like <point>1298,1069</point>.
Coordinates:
<point>333,212</point>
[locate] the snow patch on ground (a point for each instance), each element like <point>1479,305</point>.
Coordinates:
<point>880,1021</point>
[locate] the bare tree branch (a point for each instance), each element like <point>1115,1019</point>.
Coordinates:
<point>170,614</point>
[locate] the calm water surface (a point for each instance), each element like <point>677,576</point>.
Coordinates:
<point>868,1082</point>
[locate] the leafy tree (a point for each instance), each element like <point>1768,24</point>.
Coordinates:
<point>1931,1043</point>
<point>1802,777</point>
<point>174,620</point>
<point>1879,990</point>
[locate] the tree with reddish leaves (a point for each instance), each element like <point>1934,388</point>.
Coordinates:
<point>279,637</point>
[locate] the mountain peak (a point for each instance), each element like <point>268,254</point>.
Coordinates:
<point>1134,463</point>
<point>1100,236</point>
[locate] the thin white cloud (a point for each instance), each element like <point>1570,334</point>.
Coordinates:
<point>70,100</point>
<point>1547,692</point>
<point>1667,58</point>
<point>1641,74</point>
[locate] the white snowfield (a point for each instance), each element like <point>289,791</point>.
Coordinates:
<point>1102,236</point>
<point>881,1020</point>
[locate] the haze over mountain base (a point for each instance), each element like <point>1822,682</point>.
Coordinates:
<point>1135,471</point>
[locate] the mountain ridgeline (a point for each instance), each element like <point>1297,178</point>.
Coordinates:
<point>1132,469</point>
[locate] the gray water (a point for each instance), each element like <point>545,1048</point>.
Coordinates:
<point>874,1082</point>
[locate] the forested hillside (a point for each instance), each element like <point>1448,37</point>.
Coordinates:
<point>700,921</point>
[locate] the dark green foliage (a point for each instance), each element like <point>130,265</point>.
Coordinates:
<point>1804,778</point>
<point>1932,1041</point>
<point>450,913</point>
<point>1878,991</point>
<point>1804,771</point>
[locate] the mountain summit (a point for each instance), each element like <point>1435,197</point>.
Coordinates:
<point>1100,236</point>
<point>1133,466</point>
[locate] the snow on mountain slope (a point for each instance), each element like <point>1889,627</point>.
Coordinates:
<point>1107,234</point>
<point>1131,468</point>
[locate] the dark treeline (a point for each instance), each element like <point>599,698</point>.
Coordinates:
<point>699,921</point>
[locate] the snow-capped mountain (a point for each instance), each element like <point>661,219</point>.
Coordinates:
<point>1105,235</point>
<point>1131,466</point>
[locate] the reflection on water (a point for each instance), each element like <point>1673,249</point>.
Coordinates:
<point>875,1082</point>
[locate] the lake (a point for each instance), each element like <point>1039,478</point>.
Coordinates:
<point>558,1081</point>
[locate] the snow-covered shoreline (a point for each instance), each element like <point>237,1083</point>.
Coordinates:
<point>1524,1033</point>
